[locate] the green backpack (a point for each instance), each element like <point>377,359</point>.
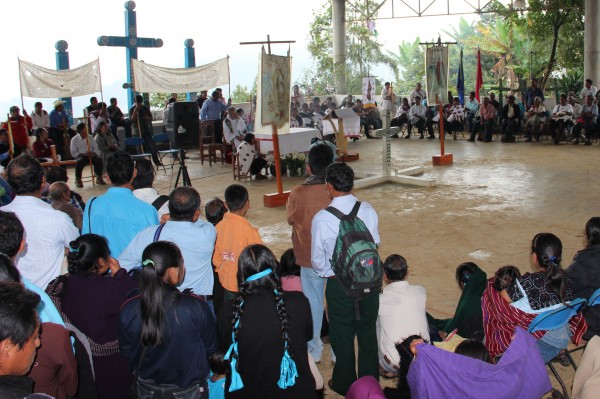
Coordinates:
<point>355,260</point>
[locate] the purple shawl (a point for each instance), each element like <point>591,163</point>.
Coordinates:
<point>366,387</point>
<point>521,373</point>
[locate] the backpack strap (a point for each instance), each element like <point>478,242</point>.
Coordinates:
<point>335,212</point>
<point>354,211</point>
<point>157,232</point>
<point>90,214</point>
<point>160,201</point>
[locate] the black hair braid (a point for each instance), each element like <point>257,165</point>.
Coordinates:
<point>282,312</point>
<point>73,258</point>
<point>555,274</point>
<point>238,311</point>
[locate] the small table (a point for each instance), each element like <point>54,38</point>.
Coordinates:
<point>297,140</point>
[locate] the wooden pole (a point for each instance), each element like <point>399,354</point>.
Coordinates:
<point>11,143</point>
<point>277,156</point>
<point>86,117</point>
<point>441,124</point>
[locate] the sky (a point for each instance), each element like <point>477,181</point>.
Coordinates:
<point>217,28</point>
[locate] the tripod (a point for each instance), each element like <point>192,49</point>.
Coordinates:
<point>183,172</point>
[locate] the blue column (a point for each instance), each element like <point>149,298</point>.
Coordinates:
<point>62,63</point>
<point>190,62</point>
<point>131,49</point>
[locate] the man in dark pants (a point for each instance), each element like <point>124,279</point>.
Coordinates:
<point>141,119</point>
<point>511,116</point>
<point>211,111</point>
<point>85,150</point>
<point>348,319</point>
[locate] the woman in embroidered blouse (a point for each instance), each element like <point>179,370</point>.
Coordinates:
<point>90,300</point>
<point>543,290</point>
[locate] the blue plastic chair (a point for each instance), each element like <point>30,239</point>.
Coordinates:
<point>163,140</point>
<point>138,143</point>
<point>553,319</point>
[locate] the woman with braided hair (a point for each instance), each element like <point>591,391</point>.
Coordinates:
<point>546,289</point>
<point>89,298</point>
<point>266,331</point>
<point>167,335</point>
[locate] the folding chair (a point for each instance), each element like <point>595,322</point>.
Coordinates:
<point>553,319</point>
<point>138,144</point>
<point>162,140</point>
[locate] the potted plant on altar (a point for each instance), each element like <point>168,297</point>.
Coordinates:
<point>295,163</point>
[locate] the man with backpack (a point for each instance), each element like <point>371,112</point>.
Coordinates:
<point>344,251</point>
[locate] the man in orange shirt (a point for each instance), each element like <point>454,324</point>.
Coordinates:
<point>234,233</point>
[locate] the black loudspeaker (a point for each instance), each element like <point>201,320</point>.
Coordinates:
<point>183,124</point>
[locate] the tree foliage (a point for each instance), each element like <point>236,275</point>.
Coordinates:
<point>241,94</point>
<point>363,50</point>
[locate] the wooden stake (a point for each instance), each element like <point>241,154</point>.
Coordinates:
<point>11,143</point>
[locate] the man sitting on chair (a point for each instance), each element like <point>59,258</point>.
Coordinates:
<point>85,150</point>
<point>250,159</point>
<point>234,128</point>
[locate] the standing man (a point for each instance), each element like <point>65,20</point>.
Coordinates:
<point>348,318</point>
<point>303,204</point>
<point>141,117</point>
<point>203,97</point>
<point>118,215</point>
<point>85,150</point>
<point>588,90</point>
<point>417,92</point>
<point>20,127</point>
<point>40,118</point>
<point>117,118</point>
<point>47,231</point>
<point>387,98</point>
<point>533,92</point>
<point>211,111</point>
<point>59,131</point>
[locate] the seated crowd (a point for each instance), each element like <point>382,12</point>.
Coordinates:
<point>159,301</point>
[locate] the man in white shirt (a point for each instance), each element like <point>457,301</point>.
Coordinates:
<point>387,98</point>
<point>234,128</point>
<point>344,325</point>
<point>39,117</point>
<point>418,91</point>
<point>588,90</point>
<point>47,231</point>
<point>85,150</point>
<point>417,116</point>
<point>399,297</point>
<point>562,116</point>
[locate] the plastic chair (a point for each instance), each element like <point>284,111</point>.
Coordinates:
<point>161,140</point>
<point>553,319</point>
<point>594,299</point>
<point>138,143</point>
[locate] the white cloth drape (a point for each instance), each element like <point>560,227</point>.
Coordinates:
<point>154,79</point>
<point>39,82</point>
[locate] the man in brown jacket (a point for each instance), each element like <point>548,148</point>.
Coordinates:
<point>303,204</point>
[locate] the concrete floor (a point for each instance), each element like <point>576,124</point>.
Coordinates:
<point>486,207</point>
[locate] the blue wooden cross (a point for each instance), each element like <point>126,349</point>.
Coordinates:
<point>131,42</point>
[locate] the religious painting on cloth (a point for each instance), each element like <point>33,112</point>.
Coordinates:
<point>275,89</point>
<point>436,72</point>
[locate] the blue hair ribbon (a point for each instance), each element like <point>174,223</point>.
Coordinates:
<point>259,275</point>
<point>73,250</point>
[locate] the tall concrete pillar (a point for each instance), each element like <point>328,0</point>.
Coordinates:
<point>591,46</point>
<point>190,62</point>
<point>62,63</point>
<point>339,45</point>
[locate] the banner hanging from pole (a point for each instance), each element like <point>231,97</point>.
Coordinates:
<point>436,72</point>
<point>40,82</point>
<point>150,78</point>
<point>368,92</point>
<point>275,89</point>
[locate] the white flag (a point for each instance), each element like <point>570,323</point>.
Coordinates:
<point>150,78</point>
<point>39,82</point>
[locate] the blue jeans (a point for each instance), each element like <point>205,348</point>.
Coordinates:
<point>148,390</point>
<point>313,287</point>
<point>553,342</point>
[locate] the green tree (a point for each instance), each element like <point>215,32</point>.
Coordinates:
<point>363,49</point>
<point>410,60</point>
<point>241,94</point>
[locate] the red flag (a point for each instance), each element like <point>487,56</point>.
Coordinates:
<point>479,79</point>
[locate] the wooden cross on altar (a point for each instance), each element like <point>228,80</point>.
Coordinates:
<point>279,198</point>
<point>131,42</point>
<point>404,176</point>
